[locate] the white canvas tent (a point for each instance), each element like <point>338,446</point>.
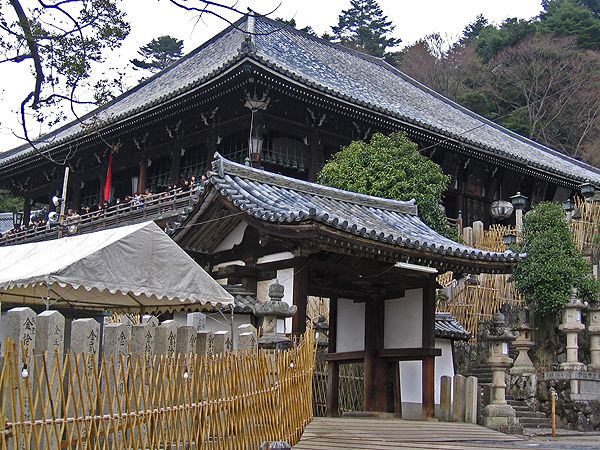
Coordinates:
<point>132,268</point>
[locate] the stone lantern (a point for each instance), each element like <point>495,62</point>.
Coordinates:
<point>271,311</point>
<point>572,327</point>
<point>499,415</point>
<point>523,344</point>
<point>594,330</point>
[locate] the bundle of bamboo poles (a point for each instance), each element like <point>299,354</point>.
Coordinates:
<point>473,303</point>
<point>585,228</point>
<point>226,401</point>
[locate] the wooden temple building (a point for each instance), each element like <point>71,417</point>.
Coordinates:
<point>288,101</point>
<point>372,257</point>
<point>301,98</point>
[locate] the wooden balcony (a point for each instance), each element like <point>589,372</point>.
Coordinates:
<point>158,207</point>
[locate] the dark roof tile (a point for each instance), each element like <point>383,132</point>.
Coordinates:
<point>447,327</point>
<point>273,197</point>
<point>343,73</point>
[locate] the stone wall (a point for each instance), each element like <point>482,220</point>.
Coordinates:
<point>524,387</point>
<point>573,415</point>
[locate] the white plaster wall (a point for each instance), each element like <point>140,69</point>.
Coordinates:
<point>404,320</point>
<point>233,238</point>
<point>350,336</point>
<point>411,379</point>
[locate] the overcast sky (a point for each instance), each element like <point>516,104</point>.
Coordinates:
<point>413,20</point>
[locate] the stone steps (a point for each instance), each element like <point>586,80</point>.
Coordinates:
<point>527,417</point>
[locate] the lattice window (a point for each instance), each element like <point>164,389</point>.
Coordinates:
<point>195,162</point>
<point>160,173</point>
<point>90,194</point>
<point>285,151</point>
<point>234,147</point>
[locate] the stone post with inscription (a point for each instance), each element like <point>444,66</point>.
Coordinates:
<point>222,342</point>
<point>196,320</point>
<point>205,342</point>
<point>20,329</point>
<point>165,342</point>
<point>85,345</point>
<point>50,344</point>
<point>186,341</point>
<point>116,350</point>
<point>142,351</point>
<point>499,415</point>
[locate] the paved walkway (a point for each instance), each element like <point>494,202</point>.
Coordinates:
<point>387,434</point>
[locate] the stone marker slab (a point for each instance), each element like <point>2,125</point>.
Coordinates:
<point>222,342</point>
<point>446,398</point>
<point>50,341</point>
<point>197,321</point>
<point>458,399</point>
<point>471,392</point>
<point>205,343</point>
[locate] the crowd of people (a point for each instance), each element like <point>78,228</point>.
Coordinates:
<point>138,200</point>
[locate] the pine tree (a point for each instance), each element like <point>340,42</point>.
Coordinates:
<point>364,27</point>
<point>159,53</point>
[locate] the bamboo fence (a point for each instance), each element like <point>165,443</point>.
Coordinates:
<point>471,304</point>
<point>585,228</point>
<point>474,303</point>
<point>226,401</point>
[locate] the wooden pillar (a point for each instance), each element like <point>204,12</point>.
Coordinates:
<point>375,380</point>
<point>428,342</point>
<point>313,155</point>
<point>26,209</point>
<point>143,175</point>
<point>333,367</point>
<point>300,295</point>
<point>397,391</point>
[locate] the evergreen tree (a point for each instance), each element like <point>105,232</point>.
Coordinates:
<point>553,265</point>
<point>364,27</point>
<point>9,203</point>
<point>159,53</point>
<point>571,18</point>
<point>391,167</point>
<point>473,30</point>
<point>292,22</point>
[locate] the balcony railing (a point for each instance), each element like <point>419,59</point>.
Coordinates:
<point>154,207</point>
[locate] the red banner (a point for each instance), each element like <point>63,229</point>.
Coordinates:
<point>108,182</point>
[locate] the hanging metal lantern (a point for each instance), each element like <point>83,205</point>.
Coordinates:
<point>587,190</point>
<point>501,209</point>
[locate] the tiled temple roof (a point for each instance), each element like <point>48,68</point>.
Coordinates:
<point>278,199</point>
<point>342,73</point>
<point>447,327</point>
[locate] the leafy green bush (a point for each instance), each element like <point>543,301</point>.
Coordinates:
<point>553,265</point>
<point>391,167</point>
